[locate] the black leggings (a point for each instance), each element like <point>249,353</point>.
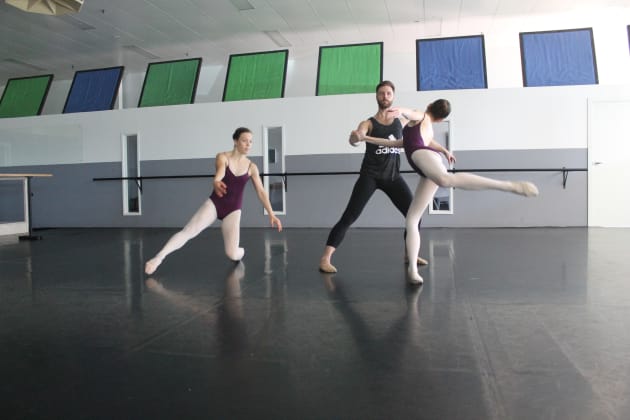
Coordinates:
<point>397,191</point>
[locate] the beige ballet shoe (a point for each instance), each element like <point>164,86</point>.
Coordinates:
<point>419,261</point>
<point>415,279</point>
<point>326,267</point>
<point>151,266</point>
<point>525,188</point>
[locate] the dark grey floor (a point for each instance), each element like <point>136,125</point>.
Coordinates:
<point>511,324</point>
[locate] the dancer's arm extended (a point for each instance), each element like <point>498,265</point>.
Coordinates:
<point>407,114</point>
<point>221,163</point>
<point>262,196</point>
<point>362,130</point>
<point>378,140</point>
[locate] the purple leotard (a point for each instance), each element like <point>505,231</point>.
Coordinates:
<point>233,199</point>
<point>412,141</point>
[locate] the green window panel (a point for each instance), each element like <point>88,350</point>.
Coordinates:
<point>349,69</point>
<point>170,83</point>
<point>256,76</point>
<point>25,96</point>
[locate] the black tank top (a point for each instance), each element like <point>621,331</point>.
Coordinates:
<point>382,162</point>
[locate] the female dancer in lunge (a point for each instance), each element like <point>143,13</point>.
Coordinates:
<point>233,171</point>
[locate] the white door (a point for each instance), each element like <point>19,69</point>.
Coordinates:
<point>608,163</point>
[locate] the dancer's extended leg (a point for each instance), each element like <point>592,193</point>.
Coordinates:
<point>432,166</point>
<point>231,228</point>
<point>424,194</point>
<point>203,218</point>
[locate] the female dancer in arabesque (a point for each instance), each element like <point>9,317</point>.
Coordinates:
<point>423,155</point>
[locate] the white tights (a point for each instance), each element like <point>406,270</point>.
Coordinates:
<point>431,164</point>
<point>204,217</point>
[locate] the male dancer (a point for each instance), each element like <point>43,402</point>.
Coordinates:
<point>380,170</point>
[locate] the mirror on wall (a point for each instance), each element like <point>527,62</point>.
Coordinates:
<point>131,168</point>
<point>273,146</point>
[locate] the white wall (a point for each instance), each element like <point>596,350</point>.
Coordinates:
<point>494,119</point>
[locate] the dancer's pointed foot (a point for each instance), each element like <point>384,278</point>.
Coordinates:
<point>152,265</point>
<point>326,267</point>
<point>525,188</point>
<point>415,278</point>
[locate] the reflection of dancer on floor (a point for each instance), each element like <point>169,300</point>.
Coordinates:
<point>233,171</point>
<point>230,315</point>
<point>423,154</point>
<point>380,169</point>
<point>392,350</point>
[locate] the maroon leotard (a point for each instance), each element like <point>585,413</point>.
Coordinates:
<point>233,199</point>
<point>412,141</point>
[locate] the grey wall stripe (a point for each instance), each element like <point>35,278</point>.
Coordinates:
<point>72,199</point>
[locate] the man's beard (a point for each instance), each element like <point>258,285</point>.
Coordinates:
<point>384,104</point>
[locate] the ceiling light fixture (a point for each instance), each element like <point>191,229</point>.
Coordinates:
<point>140,51</point>
<point>47,7</point>
<point>278,38</point>
<point>242,5</point>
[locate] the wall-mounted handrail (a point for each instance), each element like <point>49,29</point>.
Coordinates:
<point>285,175</point>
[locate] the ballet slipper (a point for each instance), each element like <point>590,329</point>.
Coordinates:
<point>419,261</point>
<point>152,265</point>
<point>327,267</point>
<point>525,188</point>
<point>415,278</point>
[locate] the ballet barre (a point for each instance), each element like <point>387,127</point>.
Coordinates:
<point>285,175</point>
<point>26,177</point>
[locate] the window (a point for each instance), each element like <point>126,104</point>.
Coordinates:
<point>25,96</point>
<point>170,83</point>
<point>93,90</point>
<point>558,58</point>
<point>256,76</point>
<point>451,63</point>
<point>349,69</point>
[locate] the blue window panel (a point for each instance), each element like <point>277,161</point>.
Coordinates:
<point>93,90</point>
<point>558,58</point>
<point>451,63</point>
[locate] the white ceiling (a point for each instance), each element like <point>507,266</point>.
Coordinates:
<point>116,32</point>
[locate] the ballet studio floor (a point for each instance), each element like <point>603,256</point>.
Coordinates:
<point>510,324</point>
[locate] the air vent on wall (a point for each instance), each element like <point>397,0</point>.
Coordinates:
<point>47,7</point>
